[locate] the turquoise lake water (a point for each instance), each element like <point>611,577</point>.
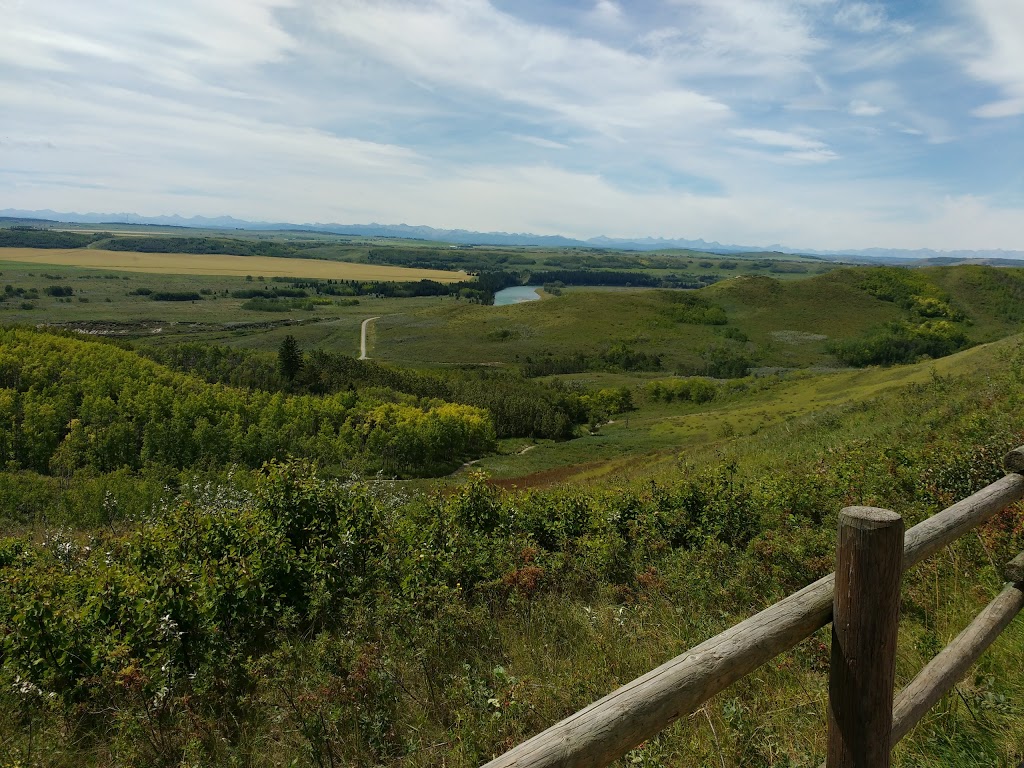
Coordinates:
<point>516,295</point>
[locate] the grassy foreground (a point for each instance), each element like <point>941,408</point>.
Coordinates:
<point>295,620</point>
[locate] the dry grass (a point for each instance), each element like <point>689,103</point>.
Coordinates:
<point>203,264</point>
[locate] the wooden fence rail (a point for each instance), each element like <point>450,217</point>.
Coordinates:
<point>607,729</point>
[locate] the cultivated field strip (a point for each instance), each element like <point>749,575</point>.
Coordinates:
<point>206,264</point>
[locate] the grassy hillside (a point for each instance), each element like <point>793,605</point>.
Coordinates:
<point>767,322</point>
<point>657,435</point>
<point>167,598</point>
<point>317,622</point>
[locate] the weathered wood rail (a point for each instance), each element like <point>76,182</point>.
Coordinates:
<point>604,731</point>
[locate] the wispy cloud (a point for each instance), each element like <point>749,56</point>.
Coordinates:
<point>739,38</point>
<point>1002,62</point>
<point>822,123</point>
<point>172,41</point>
<point>538,141</point>
<point>471,45</point>
<point>606,13</point>
<point>797,146</point>
<point>861,108</point>
<point>869,18</point>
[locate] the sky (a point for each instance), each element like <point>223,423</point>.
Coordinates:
<point>806,123</point>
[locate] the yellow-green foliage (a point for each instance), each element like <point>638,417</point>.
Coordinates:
<point>694,390</point>
<point>67,404</point>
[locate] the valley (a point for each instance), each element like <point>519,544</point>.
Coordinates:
<point>257,512</point>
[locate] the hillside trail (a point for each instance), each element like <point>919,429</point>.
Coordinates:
<point>362,337</point>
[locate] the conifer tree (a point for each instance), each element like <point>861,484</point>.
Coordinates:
<point>289,358</point>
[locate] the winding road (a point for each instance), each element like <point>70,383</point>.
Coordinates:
<point>362,337</point>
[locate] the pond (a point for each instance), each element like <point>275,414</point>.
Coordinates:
<point>516,295</point>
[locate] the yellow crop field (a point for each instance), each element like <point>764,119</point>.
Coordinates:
<point>199,264</point>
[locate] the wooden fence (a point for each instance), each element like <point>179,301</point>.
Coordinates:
<point>864,721</point>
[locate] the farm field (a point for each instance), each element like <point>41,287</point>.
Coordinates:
<point>196,264</point>
<point>114,303</point>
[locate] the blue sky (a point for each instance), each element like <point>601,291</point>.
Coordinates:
<point>807,123</point>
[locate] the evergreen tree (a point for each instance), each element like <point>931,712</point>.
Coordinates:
<point>289,358</point>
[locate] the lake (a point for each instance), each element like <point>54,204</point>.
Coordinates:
<point>516,295</point>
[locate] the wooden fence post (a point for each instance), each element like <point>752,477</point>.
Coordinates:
<point>869,564</point>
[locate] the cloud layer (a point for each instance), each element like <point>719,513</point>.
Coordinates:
<point>814,123</point>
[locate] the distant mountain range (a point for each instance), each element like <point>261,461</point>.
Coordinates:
<point>466,237</point>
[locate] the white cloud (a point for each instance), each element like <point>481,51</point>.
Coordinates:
<point>605,13</point>
<point>136,142</point>
<point>868,18</point>
<point>771,138</point>
<point>538,141</point>
<point>173,42</point>
<point>674,122</point>
<point>759,38</point>
<point>861,108</point>
<point>1003,108</point>
<point>471,46</point>
<point>1002,62</point>
<point>801,149</point>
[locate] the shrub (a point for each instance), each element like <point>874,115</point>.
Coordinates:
<point>175,296</point>
<point>897,342</point>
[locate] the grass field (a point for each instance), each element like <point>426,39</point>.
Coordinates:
<point>192,264</point>
<point>107,302</point>
<point>790,328</point>
<point>657,436</point>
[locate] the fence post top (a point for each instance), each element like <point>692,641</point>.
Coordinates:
<point>867,518</point>
<point>1014,461</point>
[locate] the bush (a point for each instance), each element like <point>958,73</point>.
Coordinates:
<point>897,343</point>
<point>694,390</point>
<point>276,305</point>
<point>175,296</point>
<point>725,361</point>
<point>692,308</point>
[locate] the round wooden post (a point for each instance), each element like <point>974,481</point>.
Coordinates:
<point>866,607</point>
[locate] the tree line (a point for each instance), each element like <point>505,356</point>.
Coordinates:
<point>616,278</point>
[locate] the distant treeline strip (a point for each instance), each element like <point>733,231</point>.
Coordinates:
<point>469,260</point>
<point>481,289</point>
<point>29,237</point>
<point>611,278</point>
<point>208,246</point>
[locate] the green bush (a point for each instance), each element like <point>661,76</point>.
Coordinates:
<point>692,308</point>
<point>897,343</point>
<point>175,296</point>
